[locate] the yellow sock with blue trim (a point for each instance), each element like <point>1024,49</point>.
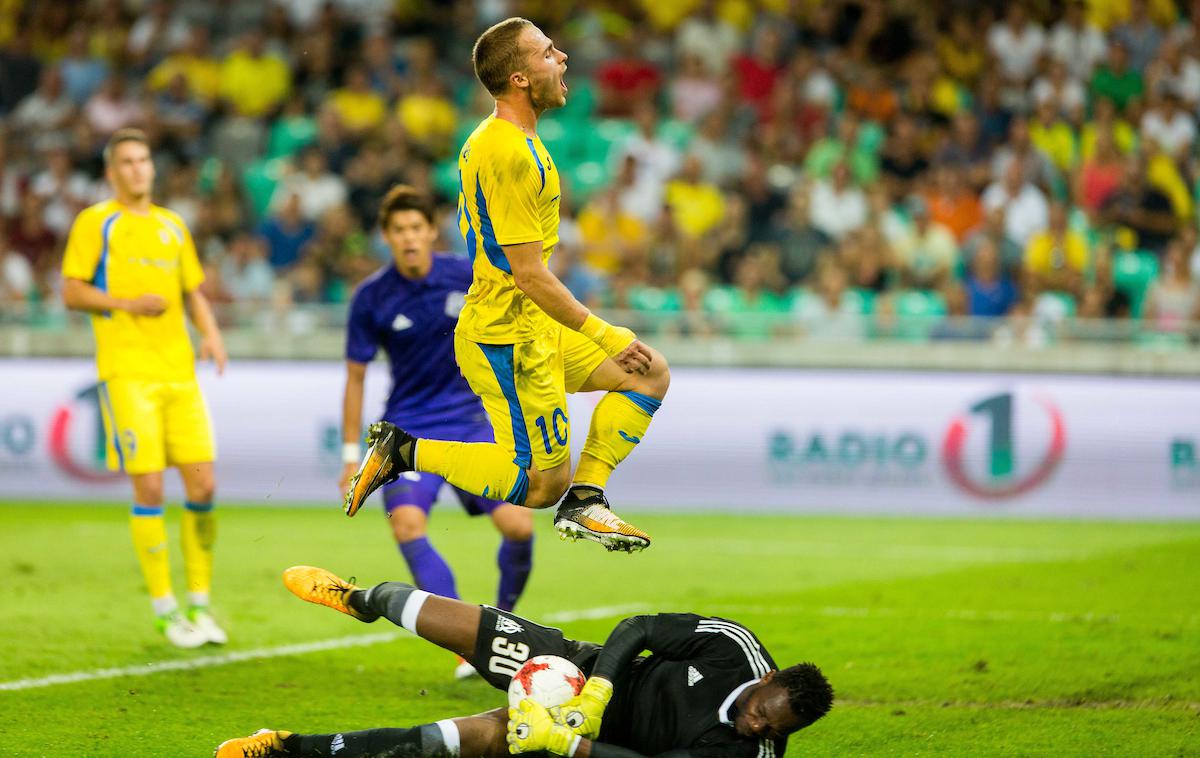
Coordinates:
<point>618,425</point>
<point>483,468</point>
<point>149,532</point>
<point>198,532</point>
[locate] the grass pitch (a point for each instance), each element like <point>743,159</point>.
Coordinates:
<point>940,637</point>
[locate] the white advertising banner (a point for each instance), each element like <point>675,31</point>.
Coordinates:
<point>744,439</point>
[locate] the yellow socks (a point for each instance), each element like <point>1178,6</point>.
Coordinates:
<point>150,543</point>
<point>484,468</point>
<point>198,533</point>
<point>618,424</point>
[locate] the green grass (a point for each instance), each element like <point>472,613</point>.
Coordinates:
<point>941,637</point>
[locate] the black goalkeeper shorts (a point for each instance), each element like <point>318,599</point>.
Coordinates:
<point>506,641</point>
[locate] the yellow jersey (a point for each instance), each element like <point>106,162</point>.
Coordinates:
<point>508,195</point>
<point>127,254</point>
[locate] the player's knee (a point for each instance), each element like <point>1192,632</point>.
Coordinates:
<point>517,528</point>
<point>655,381</point>
<point>546,488</point>
<point>407,526</point>
<point>200,484</point>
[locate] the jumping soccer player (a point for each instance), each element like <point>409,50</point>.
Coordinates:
<point>409,308</point>
<point>708,690</point>
<point>133,266</point>
<point>523,341</point>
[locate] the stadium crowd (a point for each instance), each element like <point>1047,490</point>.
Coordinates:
<point>839,168</point>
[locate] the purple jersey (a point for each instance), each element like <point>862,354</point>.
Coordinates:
<point>413,321</point>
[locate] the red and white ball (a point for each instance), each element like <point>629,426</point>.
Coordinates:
<point>547,680</point>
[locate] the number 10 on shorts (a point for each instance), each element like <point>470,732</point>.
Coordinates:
<point>558,424</point>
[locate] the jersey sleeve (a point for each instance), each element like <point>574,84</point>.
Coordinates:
<point>361,343</point>
<point>511,184</point>
<point>191,273</point>
<point>677,636</point>
<point>83,248</point>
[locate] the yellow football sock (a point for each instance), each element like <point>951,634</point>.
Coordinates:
<point>618,424</point>
<point>150,542</point>
<point>484,468</point>
<point>198,532</point>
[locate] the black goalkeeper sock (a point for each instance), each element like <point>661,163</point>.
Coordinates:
<point>418,742</point>
<point>388,599</point>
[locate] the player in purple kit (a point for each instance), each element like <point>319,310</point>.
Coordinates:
<point>410,308</point>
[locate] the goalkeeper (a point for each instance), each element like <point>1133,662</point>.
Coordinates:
<point>708,689</point>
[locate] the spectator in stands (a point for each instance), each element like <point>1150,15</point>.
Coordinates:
<point>830,315</point>
<point>959,51</point>
<point>902,160</point>
<point>1174,299</point>
<point>695,91</point>
<point>1140,35</point>
<point>63,190</point>
<point>29,236</point>
<point>1052,136</point>
<point>836,205</point>
<point>966,149</point>
<point>952,202</point>
<point>653,162</point>
<point>194,61</point>
<point>693,319</point>
<point>1024,205</point>
<point>1056,258</point>
<point>157,32</point>
<point>245,271</point>
<point>1017,44</point>
<point>749,308</point>
<point>927,255</point>
<point>696,205</point>
<point>1012,255</point>
<point>1177,70</point>
<point>1105,119</point>
<point>801,244</point>
<point>48,109</point>
<point>286,232</point>
<point>990,291</point>
<point>1141,207</point>
<point>1115,79</point>
<point>627,81</point>
<point>1062,90</point>
<point>1167,126</point>
<point>179,118</point>
<point>707,37</point>
<point>82,72</point>
<point>428,116</point>
<point>723,156</point>
<point>1036,167</point>
<point>16,275</point>
<point>254,82</point>
<point>757,70</point>
<point>1100,175</point>
<point>19,73</point>
<point>871,99</point>
<point>1076,43</point>
<point>113,107</point>
<point>319,189</point>
<point>360,108</point>
<point>848,143</point>
<point>385,70</point>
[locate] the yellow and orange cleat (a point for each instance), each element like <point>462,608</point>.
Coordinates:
<point>316,585</point>
<point>262,744</point>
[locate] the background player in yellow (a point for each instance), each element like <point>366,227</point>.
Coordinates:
<point>133,266</point>
<point>523,341</point>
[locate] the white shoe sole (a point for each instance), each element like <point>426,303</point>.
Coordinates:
<point>570,530</point>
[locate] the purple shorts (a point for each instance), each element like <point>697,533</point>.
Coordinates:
<point>421,489</point>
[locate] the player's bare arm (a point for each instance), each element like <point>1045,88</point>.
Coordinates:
<point>352,401</point>
<point>212,344</point>
<point>79,295</point>
<point>546,291</point>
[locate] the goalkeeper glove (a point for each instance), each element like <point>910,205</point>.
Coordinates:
<point>612,339</point>
<point>582,714</point>
<point>531,728</point>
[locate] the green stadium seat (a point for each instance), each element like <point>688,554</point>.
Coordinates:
<point>289,135</point>
<point>677,133</point>
<point>585,179</point>
<point>259,181</point>
<point>917,312</point>
<point>864,300</point>
<point>445,177</point>
<point>1133,273</point>
<point>581,98</point>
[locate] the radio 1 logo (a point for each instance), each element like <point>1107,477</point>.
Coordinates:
<point>1001,446</point>
<point>74,438</point>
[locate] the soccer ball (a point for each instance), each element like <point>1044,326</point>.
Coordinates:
<point>547,680</point>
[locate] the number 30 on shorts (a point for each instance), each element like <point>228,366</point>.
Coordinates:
<point>558,424</point>
<point>510,656</point>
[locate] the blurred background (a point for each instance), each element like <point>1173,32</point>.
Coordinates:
<point>969,187</point>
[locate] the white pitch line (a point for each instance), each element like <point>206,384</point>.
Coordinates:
<point>264,653</point>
